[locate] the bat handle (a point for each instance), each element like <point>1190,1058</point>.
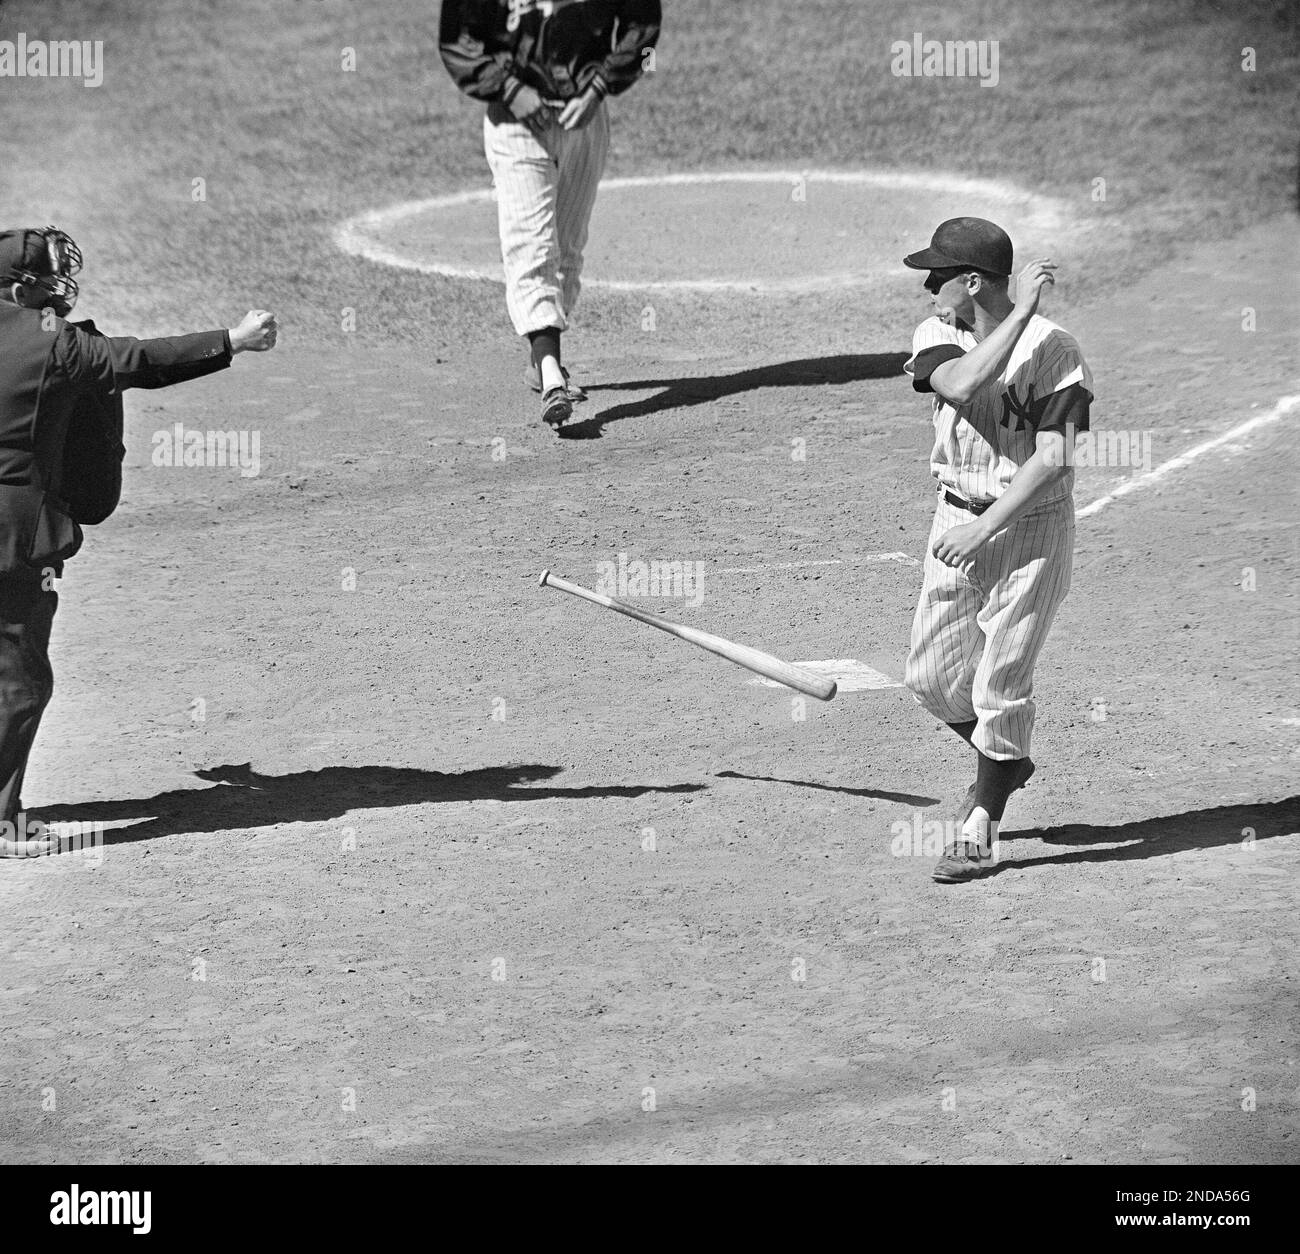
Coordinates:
<point>541,583</point>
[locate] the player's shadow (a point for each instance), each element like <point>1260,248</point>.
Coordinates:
<point>1157,838</point>
<point>876,794</point>
<point>242,799</point>
<point>699,390</point>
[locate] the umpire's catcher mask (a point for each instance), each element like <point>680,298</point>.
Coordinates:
<point>42,257</point>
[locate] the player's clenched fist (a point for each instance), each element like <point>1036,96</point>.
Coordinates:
<point>255,334</point>
<point>958,546</point>
<point>1031,281</point>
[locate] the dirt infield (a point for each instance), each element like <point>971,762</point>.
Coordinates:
<point>410,860</point>
<point>746,231</point>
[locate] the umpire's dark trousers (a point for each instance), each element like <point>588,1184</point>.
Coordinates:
<point>26,678</point>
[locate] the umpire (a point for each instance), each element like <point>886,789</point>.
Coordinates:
<point>61,428</point>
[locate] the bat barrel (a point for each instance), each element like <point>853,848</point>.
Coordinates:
<point>743,655</point>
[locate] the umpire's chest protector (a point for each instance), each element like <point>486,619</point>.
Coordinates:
<point>90,467</point>
<point>36,528</point>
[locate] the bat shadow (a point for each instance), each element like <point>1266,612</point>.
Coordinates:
<point>700,390</point>
<point>241,798</point>
<point>876,794</point>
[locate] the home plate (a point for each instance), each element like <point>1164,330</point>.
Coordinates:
<point>850,674</point>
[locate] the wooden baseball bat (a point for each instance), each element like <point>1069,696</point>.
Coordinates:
<point>752,659</point>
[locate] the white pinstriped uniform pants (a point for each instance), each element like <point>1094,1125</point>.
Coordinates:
<point>977,635</point>
<point>546,188</point>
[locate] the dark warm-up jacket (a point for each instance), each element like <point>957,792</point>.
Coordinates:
<point>492,48</point>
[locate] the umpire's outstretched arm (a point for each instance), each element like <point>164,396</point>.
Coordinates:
<point>99,368</point>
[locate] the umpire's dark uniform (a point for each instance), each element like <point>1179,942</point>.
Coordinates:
<point>61,455</point>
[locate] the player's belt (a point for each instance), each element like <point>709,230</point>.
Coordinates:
<point>971,507</point>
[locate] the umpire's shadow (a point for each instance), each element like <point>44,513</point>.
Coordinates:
<point>241,798</point>
<point>1159,837</point>
<point>699,390</point>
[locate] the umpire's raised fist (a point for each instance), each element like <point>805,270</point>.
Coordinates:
<point>255,334</point>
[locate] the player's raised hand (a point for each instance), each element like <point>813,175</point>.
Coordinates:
<point>580,110</point>
<point>1031,281</point>
<point>255,334</point>
<point>530,109</point>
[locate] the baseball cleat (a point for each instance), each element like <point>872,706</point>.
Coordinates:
<point>960,863</point>
<point>557,408</point>
<point>533,377</point>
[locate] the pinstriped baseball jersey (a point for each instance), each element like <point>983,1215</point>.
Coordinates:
<point>978,631</point>
<point>978,447</point>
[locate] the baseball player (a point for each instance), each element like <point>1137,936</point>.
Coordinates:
<point>544,68</point>
<point>1011,390</point>
<point>61,426</point>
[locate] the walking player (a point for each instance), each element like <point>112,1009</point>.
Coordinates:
<point>61,426</point>
<point>1011,390</point>
<point>544,68</point>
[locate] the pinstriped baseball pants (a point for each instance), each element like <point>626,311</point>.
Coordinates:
<point>977,634</point>
<point>545,188</point>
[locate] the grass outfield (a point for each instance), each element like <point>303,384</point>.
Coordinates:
<point>250,97</point>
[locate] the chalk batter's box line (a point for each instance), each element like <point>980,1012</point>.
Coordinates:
<point>1283,407</point>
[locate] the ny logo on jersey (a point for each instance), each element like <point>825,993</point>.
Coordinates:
<point>1012,404</point>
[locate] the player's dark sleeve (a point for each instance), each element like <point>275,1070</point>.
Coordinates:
<point>928,360</point>
<point>465,34</point>
<point>638,29</point>
<point>103,364</point>
<point>1057,411</point>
